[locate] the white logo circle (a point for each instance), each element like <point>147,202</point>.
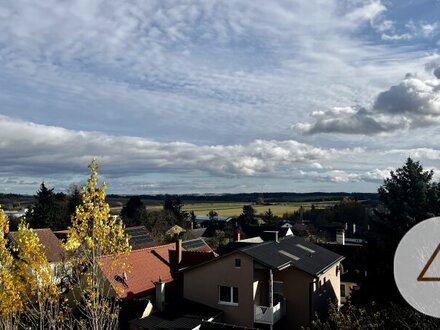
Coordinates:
<point>417,267</point>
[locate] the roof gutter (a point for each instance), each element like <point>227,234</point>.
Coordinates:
<point>329,266</point>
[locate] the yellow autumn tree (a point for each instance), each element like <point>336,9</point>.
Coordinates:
<point>93,234</point>
<point>42,294</point>
<point>11,288</point>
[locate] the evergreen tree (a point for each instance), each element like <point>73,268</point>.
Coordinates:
<point>133,212</point>
<point>409,196</point>
<point>174,205</point>
<point>44,212</point>
<point>247,217</point>
<point>270,218</point>
<point>73,199</point>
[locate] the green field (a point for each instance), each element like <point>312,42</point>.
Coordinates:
<point>230,209</point>
<point>235,209</point>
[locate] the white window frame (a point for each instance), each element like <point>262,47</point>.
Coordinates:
<point>231,302</point>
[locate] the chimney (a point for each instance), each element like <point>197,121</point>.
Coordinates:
<point>340,236</point>
<point>160,295</point>
<point>179,251</point>
<point>270,236</point>
<point>236,234</point>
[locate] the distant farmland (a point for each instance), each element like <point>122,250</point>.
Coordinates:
<point>235,209</point>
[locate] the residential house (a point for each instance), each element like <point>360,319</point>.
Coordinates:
<point>205,221</point>
<point>281,282</point>
<point>353,271</point>
<point>254,231</point>
<point>150,275</point>
<point>52,248</point>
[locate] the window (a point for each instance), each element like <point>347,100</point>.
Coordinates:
<point>227,295</point>
<point>342,290</point>
<point>237,263</point>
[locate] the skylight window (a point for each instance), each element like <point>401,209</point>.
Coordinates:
<point>305,248</point>
<point>287,254</point>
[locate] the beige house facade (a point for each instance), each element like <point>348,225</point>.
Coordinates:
<point>278,283</point>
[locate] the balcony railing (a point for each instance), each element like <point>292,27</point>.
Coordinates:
<point>270,315</point>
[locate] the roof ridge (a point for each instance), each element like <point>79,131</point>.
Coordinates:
<point>192,251</point>
<point>143,249</point>
<point>193,239</point>
<point>140,226</point>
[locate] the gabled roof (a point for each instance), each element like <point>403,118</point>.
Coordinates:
<point>52,247</point>
<point>144,267</point>
<point>293,251</point>
<point>194,233</point>
<point>139,237</point>
<point>174,230</point>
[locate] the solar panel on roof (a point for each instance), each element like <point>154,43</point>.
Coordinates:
<point>194,244</point>
<point>138,236</point>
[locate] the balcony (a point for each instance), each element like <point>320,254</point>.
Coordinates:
<point>270,315</point>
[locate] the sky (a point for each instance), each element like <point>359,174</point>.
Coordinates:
<point>214,96</point>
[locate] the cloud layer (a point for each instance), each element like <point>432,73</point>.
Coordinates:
<point>201,95</point>
<point>413,103</point>
<point>32,153</point>
<point>48,149</point>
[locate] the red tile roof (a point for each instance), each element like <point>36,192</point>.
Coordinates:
<point>146,266</point>
<point>192,258</point>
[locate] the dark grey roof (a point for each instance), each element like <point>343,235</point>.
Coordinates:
<point>293,251</point>
<point>139,237</point>
<point>154,322</point>
<point>223,326</point>
<point>185,315</point>
<point>202,218</point>
<point>194,233</point>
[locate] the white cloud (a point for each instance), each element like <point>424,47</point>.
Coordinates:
<point>341,176</point>
<point>226,79</point>
<point>413,30</point>
<point>136,67</point>
<point>46,149</point>
<point>413,103</point>
<point>132,164</point>
<point>369,12</point>
<point>352,121</point>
